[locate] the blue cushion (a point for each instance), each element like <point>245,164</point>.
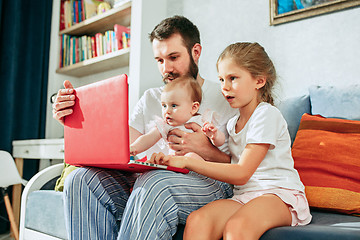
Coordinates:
<point>45,213</point>
<point>336,102</point>
<point>292,109</point>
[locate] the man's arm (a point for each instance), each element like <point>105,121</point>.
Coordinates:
<point>183,142</point>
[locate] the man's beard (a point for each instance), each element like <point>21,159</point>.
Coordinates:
<point>193,72</point>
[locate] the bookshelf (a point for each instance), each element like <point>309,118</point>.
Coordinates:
<point>137,62</point>
<point>99,23</point>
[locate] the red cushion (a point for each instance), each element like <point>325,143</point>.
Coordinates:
<point>326,152</point>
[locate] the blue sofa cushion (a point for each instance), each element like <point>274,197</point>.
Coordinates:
<point>292,109</point>
<point>45,213</point>
<point>336,102</point>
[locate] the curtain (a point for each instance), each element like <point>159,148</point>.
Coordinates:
<point>24,57</point>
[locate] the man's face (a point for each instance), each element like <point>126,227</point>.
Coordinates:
<point>172,58</point>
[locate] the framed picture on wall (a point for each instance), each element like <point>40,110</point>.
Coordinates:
<point>283,11</point>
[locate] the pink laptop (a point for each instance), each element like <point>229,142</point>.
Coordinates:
<point>96,134</point>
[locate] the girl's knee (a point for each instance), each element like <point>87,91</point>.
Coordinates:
<point>236,229</point>
<point>196,225</point>
<point>194,218</point>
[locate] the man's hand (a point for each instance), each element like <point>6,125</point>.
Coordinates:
<point>196,142</point>
<point>184,142</point>
<point>65,99</point>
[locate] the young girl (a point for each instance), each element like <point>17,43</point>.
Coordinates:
<point>180,101</point>
<point>268,192</point>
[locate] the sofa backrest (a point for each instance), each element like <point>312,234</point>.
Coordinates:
<point>292,110</point>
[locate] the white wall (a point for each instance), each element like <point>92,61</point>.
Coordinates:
<point>322,50</point>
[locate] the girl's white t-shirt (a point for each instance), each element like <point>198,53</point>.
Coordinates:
<point>266,125</point>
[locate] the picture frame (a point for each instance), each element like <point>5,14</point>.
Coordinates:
<point>283,11</point>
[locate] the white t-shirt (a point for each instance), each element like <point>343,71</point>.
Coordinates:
<point>266,125</point>
<point>149,107</point>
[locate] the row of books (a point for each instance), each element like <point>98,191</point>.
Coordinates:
<point>75,11</point>
<point>74,49</point>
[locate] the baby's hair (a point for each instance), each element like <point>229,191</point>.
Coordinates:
<point>253,58</point>
<point>188,82</point>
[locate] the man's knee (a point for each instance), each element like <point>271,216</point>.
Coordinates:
<point>150,180</point>
<point>75,179</point>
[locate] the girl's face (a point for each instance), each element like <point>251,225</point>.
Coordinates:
<point>239,88</point>
<point>177,106</point>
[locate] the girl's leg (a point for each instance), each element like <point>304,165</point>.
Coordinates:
<point>256,217</point>
<point>209,221</point>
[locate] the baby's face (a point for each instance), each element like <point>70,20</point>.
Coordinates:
<point>177,107</point>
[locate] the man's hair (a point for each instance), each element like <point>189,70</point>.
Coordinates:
<point>189,83</point>
<point>177,24</point>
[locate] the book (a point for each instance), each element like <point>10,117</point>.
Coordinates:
<point>119,29</point>
<point>90,8</point>
<point>93,47</point>
<point>125,39</point>
<point>67,14</point>
<point>62,15</point>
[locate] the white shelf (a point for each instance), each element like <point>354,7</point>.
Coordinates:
<point>102,63</point>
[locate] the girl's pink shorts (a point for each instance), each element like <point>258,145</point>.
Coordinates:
<point>296,200</point>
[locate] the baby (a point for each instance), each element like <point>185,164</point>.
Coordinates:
<point>180,101</point>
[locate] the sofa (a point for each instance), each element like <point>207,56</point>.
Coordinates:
<point>334,196</point>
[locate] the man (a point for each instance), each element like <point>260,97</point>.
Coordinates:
<point>95,198</point>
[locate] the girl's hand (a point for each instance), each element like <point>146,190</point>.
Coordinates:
<point>169,160</point>
<point>156,158</point>
<point>209,130</point>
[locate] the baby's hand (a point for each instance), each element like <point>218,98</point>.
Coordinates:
<point>133,151</point>
<point>209,130</point>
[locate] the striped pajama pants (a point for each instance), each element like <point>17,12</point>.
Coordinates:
<point>95,201</point>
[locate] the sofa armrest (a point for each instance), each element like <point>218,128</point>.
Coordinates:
<point>36,183</point>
